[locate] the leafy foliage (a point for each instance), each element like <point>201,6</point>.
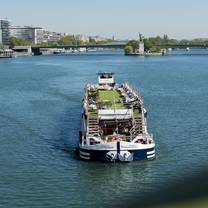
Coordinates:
<point>70,40</point>
<point>18,42</point>
<point>134,44</point>
<point>128,49</point>
<point>152,44</point>
<point>73,40</point>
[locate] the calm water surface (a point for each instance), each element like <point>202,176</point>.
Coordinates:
<point>40,107</point>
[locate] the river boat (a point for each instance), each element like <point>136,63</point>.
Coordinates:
<point>7,53</point>
<point>114,123</point>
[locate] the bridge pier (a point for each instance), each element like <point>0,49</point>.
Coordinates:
<point>36,51</point>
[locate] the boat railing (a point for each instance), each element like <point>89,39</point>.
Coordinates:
<point>131,91</point>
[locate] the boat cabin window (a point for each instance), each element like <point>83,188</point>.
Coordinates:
<point>105,76</point>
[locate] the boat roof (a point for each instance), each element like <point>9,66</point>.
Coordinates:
<point>105,73</point>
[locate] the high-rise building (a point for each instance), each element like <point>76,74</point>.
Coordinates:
<point>4,31</point>
<point>33,34</point>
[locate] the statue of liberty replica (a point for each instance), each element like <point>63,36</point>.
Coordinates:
<point>141,45</point>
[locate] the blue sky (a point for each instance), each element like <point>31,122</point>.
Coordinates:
<point>119,18</point>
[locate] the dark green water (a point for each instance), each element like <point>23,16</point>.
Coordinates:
<point>40,107</point>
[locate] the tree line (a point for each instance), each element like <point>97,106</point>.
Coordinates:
<point>150,44</point>
<point>67,40</point>
<point>153,44</point>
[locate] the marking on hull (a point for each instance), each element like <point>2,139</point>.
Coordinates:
<point>150,156</point>
<point>84,157</point>
<point>151,152</point>
<point>84,153</point>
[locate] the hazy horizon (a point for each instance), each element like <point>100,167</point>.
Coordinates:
<point>121,18</point>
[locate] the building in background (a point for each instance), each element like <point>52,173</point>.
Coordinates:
<point>30,33</point>
<point>52,36</point>
<point>37,34</point>
<point>98,38</point>
<point>4,31</point>
<point>83,38</point>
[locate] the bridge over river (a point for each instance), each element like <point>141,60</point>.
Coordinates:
<point>182,46</point>
<point>114,45</point>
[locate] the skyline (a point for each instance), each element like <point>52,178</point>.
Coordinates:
<point>120,18</point>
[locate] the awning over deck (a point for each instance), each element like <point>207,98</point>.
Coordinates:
<point>108,114</point>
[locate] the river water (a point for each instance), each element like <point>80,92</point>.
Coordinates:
<point>40,109</point>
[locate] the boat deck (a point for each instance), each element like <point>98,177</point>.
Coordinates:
<point>111,99</point>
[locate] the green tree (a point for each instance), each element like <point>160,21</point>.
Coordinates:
<point>13,41</point>
<point>92,41</point>
<point>128,50</point>
<point>70,40</point>
<point>147,44</point>
<point>134,44</point>
<point>155,49</point>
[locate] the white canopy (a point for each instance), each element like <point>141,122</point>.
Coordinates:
<point>107,114</point>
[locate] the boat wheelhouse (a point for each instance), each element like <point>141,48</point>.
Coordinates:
<point>114,124</point>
